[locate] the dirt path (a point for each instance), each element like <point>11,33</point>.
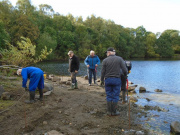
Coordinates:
<point>77,112</point>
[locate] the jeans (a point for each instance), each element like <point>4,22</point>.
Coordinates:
<point>90,73</point>
<point>73,77</point>
<point>112,87</point>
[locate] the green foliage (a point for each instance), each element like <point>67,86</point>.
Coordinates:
<point>4,36</point>
<point>47,41</point>
<point>23,54</point>
<point>43,28</point>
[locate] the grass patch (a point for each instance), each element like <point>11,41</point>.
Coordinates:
<point>5,104</point>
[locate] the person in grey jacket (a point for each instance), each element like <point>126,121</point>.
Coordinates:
<point>111,73</point>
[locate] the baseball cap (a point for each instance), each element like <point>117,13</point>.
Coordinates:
<point>110,49</point>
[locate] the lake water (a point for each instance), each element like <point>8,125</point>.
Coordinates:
<point>163,75</point>
<point>152,75</point>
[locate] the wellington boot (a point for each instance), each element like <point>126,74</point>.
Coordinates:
<point>41,94</point>
<point>32,97</point>
<point>76,86</point>
<point>72,87</point>
<point>114,109</point>
<point>109,108</point>
<point>123,97</point>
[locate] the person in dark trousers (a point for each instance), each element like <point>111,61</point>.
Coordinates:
<point>124,80</point>
<point>73,69</point>
<point>111,73</point>
<point>92,61</point>
<point>36,80</point>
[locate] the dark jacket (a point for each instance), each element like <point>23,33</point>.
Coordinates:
<point>73,63</point>
<point>111,67</point>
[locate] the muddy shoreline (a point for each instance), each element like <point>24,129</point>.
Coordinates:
<point>77,112</point>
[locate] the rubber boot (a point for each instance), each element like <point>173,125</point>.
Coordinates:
<point>109,108</point>
<point>72,87</point>
<point>41,94</point>
<point>123,97</point>
<point>76,86</point>
<point>32,97</point>
<point>114,109</point>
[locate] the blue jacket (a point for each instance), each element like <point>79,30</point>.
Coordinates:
<point>34,74</point>
<point>92,61</point>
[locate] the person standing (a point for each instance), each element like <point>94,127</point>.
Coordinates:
<point>73,69</point>
<point>36,80</point>
<point>124,80</point>
<point>111,73</point>
<point>92,61</point>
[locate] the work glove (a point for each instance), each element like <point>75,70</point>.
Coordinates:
<point>102,83</point>
<point>26,89</point>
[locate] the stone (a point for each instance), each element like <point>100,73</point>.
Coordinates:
<point>98,80</point>
<point>8,78</point>
<point>69,79</point>
<point>47,87</point>
<point>175,127</point>
<point>133,91</point>
<point>86,77</point>
<point>148,99</point>
<point>133,99</point>
<point>131,88</point>
<point>6,96</point>
<point>63,82</point>
<point>158,90</point>
<point>129,82</point>
<point>45,123</point>
<point>47,93</point>
<point>139,133</point>
<point>50,77</point>
<point>1,90</point>
<point>53,132</point>
<point>68,83</point>
<point>55,79</point>
<point>142,89</point>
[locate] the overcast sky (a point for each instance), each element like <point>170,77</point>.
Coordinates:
<point>154,15</point>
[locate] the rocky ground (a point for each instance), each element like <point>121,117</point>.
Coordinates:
<point>76,112</point>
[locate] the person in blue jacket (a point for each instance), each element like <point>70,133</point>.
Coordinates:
<point>92,61</point>
<point>36,80</point>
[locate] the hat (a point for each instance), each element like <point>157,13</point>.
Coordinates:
<point>110,49</point>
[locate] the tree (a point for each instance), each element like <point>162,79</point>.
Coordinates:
<point>25,7</point>
<point>23,54</point>
<point>139,48</point>
<point>24,27</point>
<point>46,10</point>
<point>150,45</point>
<point>50,43</point>
<point>164,48</point>
<point>4,36</point>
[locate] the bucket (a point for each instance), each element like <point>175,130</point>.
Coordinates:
<point>44,76</point>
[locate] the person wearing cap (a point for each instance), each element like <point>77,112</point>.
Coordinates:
<point>36,81</point>
<point>92,61</point>
<point>73,69</point>
<point>110,73</point>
